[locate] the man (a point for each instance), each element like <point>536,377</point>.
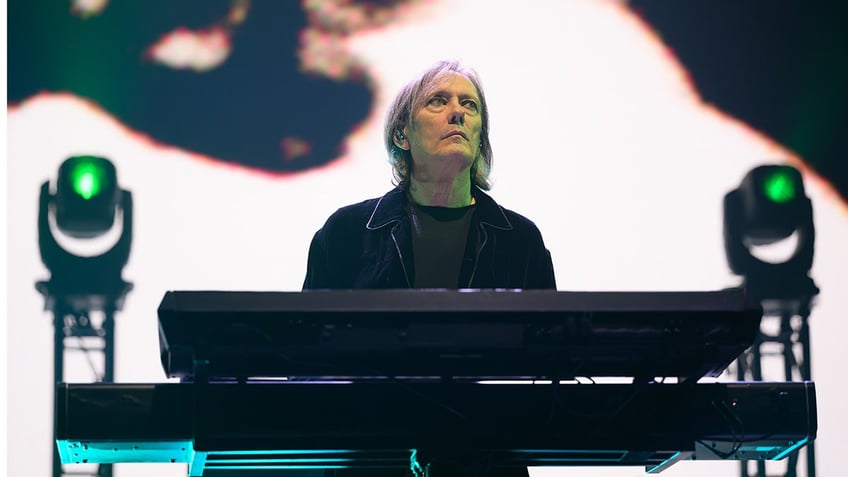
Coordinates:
<point>436,228</point>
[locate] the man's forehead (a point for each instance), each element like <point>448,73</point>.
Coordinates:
<point>452,82</point>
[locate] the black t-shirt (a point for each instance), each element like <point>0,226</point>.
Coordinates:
<point>439,235</point>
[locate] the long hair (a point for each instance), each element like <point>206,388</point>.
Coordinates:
<point>410,98</point>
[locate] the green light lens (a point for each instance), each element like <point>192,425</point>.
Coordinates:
<point>87,179</point>
<point>779,186</point>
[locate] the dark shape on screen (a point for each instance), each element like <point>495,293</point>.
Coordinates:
<point>239,112</point>
<point>782,67</point>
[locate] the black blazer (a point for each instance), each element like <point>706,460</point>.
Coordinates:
<point>369,245</point>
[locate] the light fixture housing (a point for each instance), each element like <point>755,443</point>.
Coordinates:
<point>86,204</point>
<point>87,196</point>
<point>769,206</point>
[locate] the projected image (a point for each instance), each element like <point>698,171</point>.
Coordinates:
<point>239,126</point>
<point>178,65</point>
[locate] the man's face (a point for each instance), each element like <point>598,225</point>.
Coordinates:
<point>445,129</point>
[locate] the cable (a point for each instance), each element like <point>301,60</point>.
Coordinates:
<point>87,352</point>
<point>726,412</point>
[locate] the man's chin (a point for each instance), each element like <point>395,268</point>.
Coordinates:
<point>460,156</point>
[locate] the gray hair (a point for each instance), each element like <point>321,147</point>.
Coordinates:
<point>410,98</point>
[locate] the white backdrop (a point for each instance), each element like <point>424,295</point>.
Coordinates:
<point>598,138</point>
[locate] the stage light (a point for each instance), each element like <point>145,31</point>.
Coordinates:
<point>768,207</point>
<point>86,205</point>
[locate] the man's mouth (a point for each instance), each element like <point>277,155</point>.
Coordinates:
<point>455,133</point>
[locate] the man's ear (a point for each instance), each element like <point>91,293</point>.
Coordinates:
<point>400,139</point>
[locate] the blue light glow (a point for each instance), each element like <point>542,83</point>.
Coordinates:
<point>662,465</point>
<point>260,467</point>
<point>791,448</point>
<point>283,461</point>
<point>287,452</point>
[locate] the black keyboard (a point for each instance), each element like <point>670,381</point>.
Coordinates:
<point>492,333</point>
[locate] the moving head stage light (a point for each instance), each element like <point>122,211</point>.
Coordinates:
<point>770,206</point>
<point>86,205</point>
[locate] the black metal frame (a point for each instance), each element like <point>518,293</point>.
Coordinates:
<point>793,335</point>
<point>384,424</point>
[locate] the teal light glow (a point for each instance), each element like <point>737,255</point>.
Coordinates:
<point>261,467</point>
<point>286,462</point>
<point>791,448</point>
<point>111,452</point>
<point>287,452</point>
<point>270,459</point>
<point>662,465</point>
<point>196,462</point>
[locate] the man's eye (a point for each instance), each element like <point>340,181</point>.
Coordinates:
<point>437,101</point>
<point>470,104</point>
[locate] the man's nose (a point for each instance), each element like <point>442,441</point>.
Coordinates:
<point>457,115</point>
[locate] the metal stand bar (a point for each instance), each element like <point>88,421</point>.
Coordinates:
<point>749,367</point>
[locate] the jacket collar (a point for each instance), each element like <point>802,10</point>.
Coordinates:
<point>392,208</point>
<point>389,209</point>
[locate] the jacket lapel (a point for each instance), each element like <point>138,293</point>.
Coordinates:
<point>390,213</point>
